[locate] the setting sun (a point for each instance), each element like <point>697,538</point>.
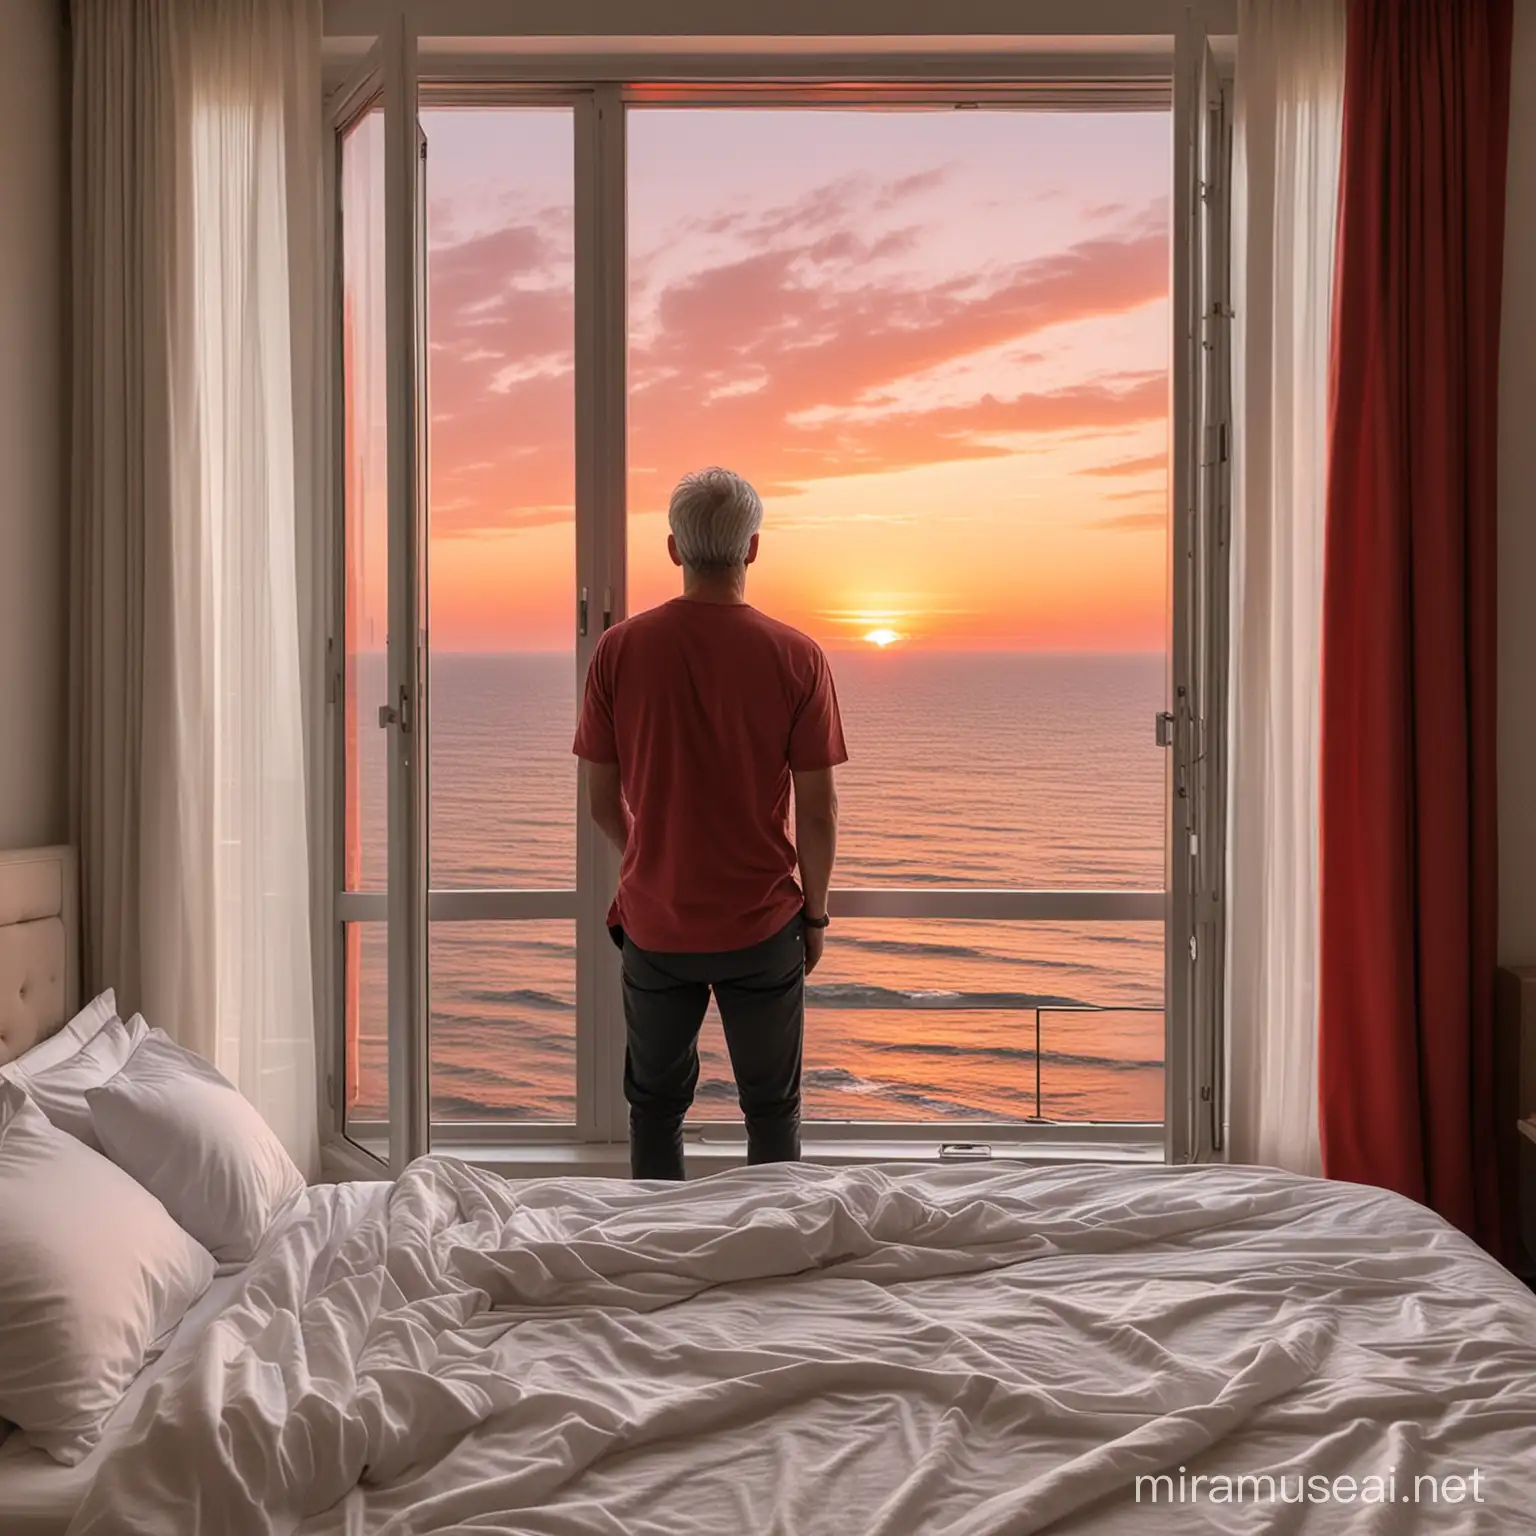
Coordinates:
<point>882,637</point>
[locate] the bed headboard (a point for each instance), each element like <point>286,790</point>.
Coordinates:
<point>39,946</point>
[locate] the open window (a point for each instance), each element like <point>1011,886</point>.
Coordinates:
<point>968,341</point>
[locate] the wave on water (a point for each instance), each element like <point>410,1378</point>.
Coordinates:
<point>520,997</point>
<point>917,949</point>
<point>835,995</point>
<point>841,1080</point>
<point>852,994</point>
<point>1019,1054</point>
<point>534,1105</point>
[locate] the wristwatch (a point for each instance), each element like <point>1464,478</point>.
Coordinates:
<point>817,922</point>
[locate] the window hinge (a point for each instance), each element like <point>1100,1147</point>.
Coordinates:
<point>1165,729</point>
<point>964,1151</point>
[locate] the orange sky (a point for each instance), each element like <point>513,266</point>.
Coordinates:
<point>936,343</point>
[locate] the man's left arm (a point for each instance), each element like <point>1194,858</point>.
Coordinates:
<point>605,801</point>
<point>816,748</point>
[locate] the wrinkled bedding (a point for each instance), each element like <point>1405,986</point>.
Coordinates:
<point>893,1350</point>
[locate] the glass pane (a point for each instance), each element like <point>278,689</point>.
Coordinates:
<point>937,343</point>
<point>366,496</point>
<point>1021,769</point>
<point>504,1021</point>
<point>503,778</point>
<point>365,667</point>
<point>913,1020</point>
<point>501,269</point>
<point>367,1033</point>
<point>1102,1066</point>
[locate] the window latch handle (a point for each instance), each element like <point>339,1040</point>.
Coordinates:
<point>396,714</point>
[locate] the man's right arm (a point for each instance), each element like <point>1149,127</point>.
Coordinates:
<point>815,845</point>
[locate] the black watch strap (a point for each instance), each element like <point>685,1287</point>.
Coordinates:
<point>817,922</point>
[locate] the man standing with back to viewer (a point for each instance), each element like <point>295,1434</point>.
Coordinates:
<point>698,717</point>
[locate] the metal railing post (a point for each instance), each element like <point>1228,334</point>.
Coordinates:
<point>1037,1063</point>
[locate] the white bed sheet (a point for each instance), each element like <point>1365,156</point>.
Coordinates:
<point>879,1350</point>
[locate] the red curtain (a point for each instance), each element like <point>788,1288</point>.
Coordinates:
<point>1409,877</point>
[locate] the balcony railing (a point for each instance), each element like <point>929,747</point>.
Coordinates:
<point>931,903</point>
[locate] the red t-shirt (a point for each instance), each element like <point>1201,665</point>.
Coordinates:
<point>708,708</point>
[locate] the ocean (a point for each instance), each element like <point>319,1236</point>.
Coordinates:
<point>995,770</point>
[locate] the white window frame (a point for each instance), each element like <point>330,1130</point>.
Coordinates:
<point>1169,72</point>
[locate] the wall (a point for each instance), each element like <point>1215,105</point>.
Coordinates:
<point>1517,519</point>
<point>33,420</point>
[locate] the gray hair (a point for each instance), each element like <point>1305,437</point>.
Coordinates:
<point>713,515</point>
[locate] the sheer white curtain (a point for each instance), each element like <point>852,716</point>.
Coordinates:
<point>197,160</point>
<point>1290,91</point>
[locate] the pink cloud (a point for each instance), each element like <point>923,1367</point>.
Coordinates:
<point>1149,464</point>
<point>1134,522</point>
<point>805,317</point>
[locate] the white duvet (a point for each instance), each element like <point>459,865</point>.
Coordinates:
<point>878,1350</point>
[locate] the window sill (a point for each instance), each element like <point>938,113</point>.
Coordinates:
<point>343,1161</point>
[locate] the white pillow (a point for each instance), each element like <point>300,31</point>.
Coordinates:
<point>63,1043</point>
<point>184,1132</point>
<point>94,1273</point>
<point>59,1090</point>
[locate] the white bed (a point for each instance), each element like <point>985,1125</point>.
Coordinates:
<point>966,1350</point>
<point>800,1350</point>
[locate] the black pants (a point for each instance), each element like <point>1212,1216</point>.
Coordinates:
<point>761,995</point>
